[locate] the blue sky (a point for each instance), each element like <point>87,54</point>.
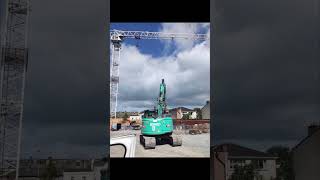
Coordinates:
<point>154,47</point>
<point>184,64</point>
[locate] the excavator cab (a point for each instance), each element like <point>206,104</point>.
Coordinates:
<point>149,114</point>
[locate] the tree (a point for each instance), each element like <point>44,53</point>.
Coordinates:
<point>50,171</point>
<point>186,116</point>
<point>284,172</point>
<point>199,113</point>
<point>105,171</point>
<point>125,117</point>
<point>245,172</point>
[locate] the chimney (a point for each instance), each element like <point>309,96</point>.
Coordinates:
<point>312,129</point>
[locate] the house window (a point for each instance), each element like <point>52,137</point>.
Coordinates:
<point>72,178</point>
<point>42,162</point>
<point>258,164</point>
<point>234,163</point>
<point>84,178</point>
<point>78,163</point>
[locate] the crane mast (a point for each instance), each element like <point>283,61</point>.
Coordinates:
<point>117,37</point>
<point>13,65</point>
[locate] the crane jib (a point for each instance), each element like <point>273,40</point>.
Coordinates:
<point>156,35</point>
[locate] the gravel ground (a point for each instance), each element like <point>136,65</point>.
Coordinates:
<point>192,146</point>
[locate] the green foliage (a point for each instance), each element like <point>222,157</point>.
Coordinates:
<point>284,172</point>
<point>50,172</point>
<point>125,116</point>
<point>186,116</point>
<point>199,113</point>
<point>246,172</point>
<point>199,116</point>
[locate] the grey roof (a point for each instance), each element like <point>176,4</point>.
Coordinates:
<point>182,109</point>
<point>304,140</point>
<point>240,151</point>
<point>206,105</point>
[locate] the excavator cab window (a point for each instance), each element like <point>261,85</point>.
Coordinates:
<point>148,114</point>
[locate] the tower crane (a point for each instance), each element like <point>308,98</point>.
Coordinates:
<point>118,36</point>
<point>13,67</point>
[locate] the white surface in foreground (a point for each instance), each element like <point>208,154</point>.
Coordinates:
<point>192,146</point>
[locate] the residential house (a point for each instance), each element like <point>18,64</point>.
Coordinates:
<point>78,174</point>
<point>193,114</point>
<point>101,170</point>
<point>141,114</point>
<point>136,117</point>
<point>179,112</point>
<point>67,169</point>
<point>306,156</point>
<point>205,111</point>
<point>226,157</point>
<point>131,116</point>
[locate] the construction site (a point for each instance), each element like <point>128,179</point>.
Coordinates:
<point>194,145</point>
<point>194,133</point>
<point>159,131</point>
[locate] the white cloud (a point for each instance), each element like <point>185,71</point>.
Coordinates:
<point>183,44</point>
<point>186,73</point>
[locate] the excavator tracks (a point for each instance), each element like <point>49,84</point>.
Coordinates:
<point>151,142</point>
<point>175,140</point>
<point>148,142</point>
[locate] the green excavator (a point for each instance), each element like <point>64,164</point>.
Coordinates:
<point>157,125</point>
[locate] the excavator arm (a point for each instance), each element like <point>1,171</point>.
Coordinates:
<point>162,99</point>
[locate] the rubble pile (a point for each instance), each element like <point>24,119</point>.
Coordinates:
<point>200,128</point>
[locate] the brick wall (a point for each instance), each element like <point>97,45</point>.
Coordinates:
<point>189,122</point>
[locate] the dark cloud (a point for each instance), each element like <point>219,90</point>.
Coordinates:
<point>266,74</point>
<point>65,98</point>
